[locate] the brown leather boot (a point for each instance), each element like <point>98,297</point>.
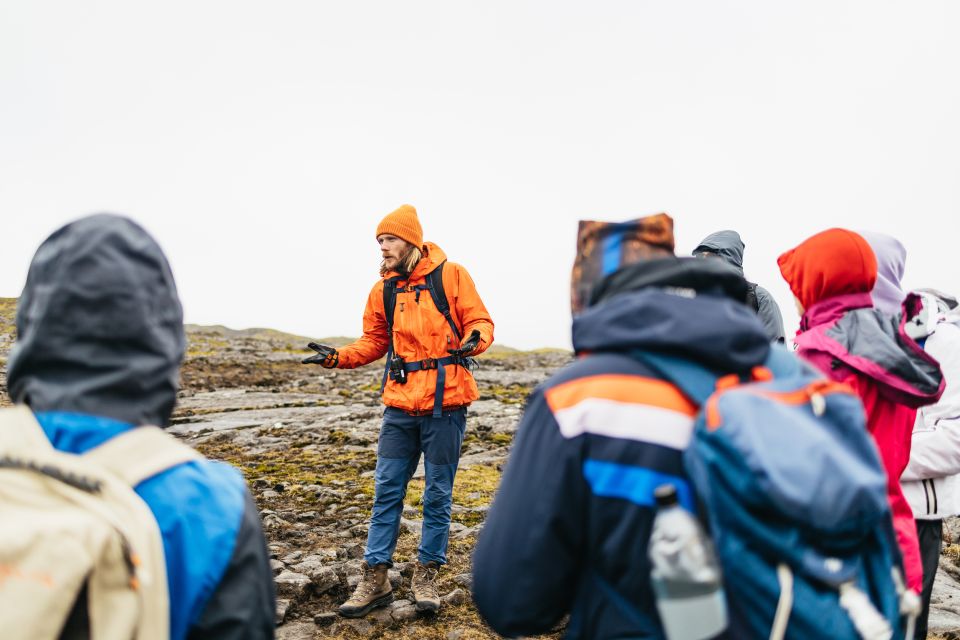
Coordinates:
<point>373,591</point>
<point>424,587</point>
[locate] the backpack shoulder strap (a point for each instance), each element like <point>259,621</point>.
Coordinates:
<point>693,379</point>
<point>439,295</point>
<point>698,382</point>
<point>141,453</point>
<point>389,300</point>
<point>19,430</point>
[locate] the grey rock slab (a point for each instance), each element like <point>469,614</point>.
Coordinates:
<point>380,615</point>
<point>403,611</point>
<point>296,631</point>
<point>276,566</point>
<point>945,600</point>
<point>274,522</point>
<point>292,584</point>
<point>248,419</point>
<point>281,611</point>
<point>323,578</point>
<point>413,526</point>
<point>243,399</point>
<point>455,597</point>
<point>466,533</point>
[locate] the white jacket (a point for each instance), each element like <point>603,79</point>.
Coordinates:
<point>931,481</point>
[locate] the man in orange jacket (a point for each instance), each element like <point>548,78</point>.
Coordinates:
<point>425,315</point>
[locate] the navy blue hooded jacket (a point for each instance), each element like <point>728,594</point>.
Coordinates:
<point>569,527</point>
<point>99,344</point>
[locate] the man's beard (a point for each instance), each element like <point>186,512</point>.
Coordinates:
<point>398,265</point>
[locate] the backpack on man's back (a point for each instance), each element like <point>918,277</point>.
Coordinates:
<point>795,496</point>
<point>80,553</point>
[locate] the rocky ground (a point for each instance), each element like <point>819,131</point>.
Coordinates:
<point>305,439</point>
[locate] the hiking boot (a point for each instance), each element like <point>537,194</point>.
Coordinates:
<point>424,587</point>
<point>373,591</point>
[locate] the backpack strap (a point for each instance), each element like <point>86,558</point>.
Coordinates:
<point>435,285</point>
<point>698,382</point>
<point>141,453</point>
<point>19,430</point>
<point>390,301</point>
<point>389,305</point>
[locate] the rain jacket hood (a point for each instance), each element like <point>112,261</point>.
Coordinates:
<point>660,305</point>
<point>891,257</point>
<point>726,244</point>
<point>99,325</point>
<point>832,274</point>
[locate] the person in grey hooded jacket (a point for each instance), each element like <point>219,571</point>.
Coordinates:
<point>729,246</point>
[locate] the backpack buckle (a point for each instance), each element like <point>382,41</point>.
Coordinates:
<point>428,363</point>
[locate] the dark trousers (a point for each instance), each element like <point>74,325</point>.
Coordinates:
<point>930,533</point>
<point>402,439</point>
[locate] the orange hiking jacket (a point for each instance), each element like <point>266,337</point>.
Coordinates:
<point>420,331</point>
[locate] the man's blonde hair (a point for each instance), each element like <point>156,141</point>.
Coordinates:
<point>407,263</point>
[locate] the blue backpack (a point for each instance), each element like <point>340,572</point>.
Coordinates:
<point>795,497</point>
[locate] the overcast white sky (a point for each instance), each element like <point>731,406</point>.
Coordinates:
<point>261,142</point>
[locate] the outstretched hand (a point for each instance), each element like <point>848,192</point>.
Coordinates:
<point>327,357</point>
<point>468,346</point>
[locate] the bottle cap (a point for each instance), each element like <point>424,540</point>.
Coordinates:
<point>666,495</point>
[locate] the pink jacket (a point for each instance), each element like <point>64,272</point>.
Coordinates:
<point>850,342</point>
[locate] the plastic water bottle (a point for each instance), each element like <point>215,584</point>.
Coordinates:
<point>685,576</point>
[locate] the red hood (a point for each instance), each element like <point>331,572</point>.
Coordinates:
<point>835,262</point>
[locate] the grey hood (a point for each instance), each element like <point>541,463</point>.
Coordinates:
<point>726,244</point>
<point>99,325</point>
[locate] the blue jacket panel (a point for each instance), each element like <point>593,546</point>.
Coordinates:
<point>198,507</point>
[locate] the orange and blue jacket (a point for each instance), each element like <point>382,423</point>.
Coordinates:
<point>569,528</point>
<point>420,332</point>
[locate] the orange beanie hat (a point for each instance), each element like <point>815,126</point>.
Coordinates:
<point>404,224</point>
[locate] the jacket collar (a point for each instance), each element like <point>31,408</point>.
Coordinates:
<point>433,256</point>
<point>832,309</point>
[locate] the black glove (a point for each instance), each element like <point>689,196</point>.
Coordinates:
<point>327,357</point>
<point>468,346</point>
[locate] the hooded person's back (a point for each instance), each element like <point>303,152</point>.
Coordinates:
<point>887,294</point>
<point>569,528</point>
<point>832,275</point>
<point>729,246</point>
<point>99,344</point>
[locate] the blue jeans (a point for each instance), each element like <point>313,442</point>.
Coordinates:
<point>402,439</point>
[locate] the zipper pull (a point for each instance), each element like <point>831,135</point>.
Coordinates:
<point>818,404</point>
